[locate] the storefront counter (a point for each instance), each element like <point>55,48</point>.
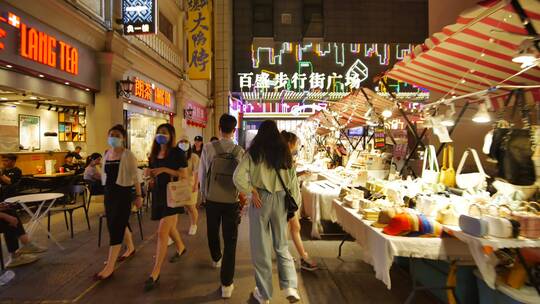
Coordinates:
<point>29,162</point>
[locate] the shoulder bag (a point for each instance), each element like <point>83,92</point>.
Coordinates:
<point>474,181</point>
<point>448,174</point>
<point>430,167</point>
<point>290,204</point>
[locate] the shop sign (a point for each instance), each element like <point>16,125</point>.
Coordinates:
<point>139,17</point>
<point>199,32</point>
<point>151,94</point>
<point>292,108</point>
<point>27,43</point>
<point>198,114</point>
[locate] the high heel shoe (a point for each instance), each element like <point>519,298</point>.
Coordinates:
<point>176,257</point>
<point>98,277</point>
<point>126,257</point>
<point>150,284</point>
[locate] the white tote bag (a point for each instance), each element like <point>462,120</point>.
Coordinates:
<point>473,181</point>
<point>179,193</point>
<point>430,167</point>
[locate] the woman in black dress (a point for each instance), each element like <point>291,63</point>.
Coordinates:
<point>166,163</point>
<point>119,177</point>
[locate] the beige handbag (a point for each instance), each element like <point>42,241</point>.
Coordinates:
<point>448,174</point>
<point>474,181</point>
<point>448,216</point>
<point>430,167</point>
<point>179,193</point>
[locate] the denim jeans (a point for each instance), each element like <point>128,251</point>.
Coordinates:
<point>266,224</point>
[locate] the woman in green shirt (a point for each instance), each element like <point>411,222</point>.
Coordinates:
<point>256,177</point>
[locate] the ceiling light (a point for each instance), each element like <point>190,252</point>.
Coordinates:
<point>38,105</point>
<point>3,98</point>
<point>482,115</point>
<point>526,54</point>
<point>50,107</point>
<point>66,83</point>
<point>41,75</point>
<point>33,97</point>
<point>387,113</point>
<point>87,90</point>
<point>448,120</point>
<point>9,66</point>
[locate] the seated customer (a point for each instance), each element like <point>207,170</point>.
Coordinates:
<point>92,173</point>
<point>13,230</point>
<point>70,164</point>
<point>77,154</point>
<point>10,176</point>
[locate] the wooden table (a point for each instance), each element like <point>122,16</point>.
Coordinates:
<point>70,173</point>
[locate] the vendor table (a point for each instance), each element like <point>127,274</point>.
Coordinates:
<point>482,251</point>
<point>379,249</point>
<point>70,173</point>
<point>35,217</point>
<point>317,203</point>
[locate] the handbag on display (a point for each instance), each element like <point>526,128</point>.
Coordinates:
<point>290,204</point>
<point>448,174</point>
<point>473,225</point>
<point>513,149</point>
<point>179,193</point>
<point>528,216</point>
<point>430,166</point>
<point>448,215</point>
<point>516,192</point>
<point>499,226</point>
<point>474,181</point>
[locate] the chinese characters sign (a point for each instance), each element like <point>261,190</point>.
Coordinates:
<point>199,33</point>
<point>139,17</point>
<point>198,114</point>
<point>151,94</point>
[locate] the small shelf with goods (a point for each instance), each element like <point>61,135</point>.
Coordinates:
<point>71,128</point>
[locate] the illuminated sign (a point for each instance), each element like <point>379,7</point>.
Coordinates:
<point>321,67</point>
<point>199,33</point>
<point>151,94</point>
<point>292,108</point>
<point>198,114</point>
<point>139,17</point>
<point>33,47</point>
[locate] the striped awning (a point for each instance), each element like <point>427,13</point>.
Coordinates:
<point>475,53</point>
<point>349,112</point>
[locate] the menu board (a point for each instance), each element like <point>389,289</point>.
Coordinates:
<point>9,130</point>
<point>29,137</point>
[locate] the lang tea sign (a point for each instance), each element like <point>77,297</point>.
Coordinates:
<point>139,17</point>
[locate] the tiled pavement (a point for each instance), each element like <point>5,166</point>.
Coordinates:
<point>64,276</point>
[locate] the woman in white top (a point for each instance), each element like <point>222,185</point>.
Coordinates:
<point>193,172</point>
<point>256,176</point>
<point>119,177</point>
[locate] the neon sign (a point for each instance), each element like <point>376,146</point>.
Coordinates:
<point>43,48</point>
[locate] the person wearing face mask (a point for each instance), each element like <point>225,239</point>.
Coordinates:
<point>294,223</point>
<point>119,177</point>
<point>167,162</point>
<point>193,173</point>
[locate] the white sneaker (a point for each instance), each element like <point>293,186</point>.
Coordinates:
<point>192,230</point>
<point>217,264</point>
<point>258,296</point>
<point>226,291</point>
<point>21,259</point>
<point>292,295</point>
<point>170,242</point>
<point>31,248</point>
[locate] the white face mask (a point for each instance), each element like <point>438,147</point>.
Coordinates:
<point>183,146</point>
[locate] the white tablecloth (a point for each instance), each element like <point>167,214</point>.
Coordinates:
<point>379,249</point>
<point>317,200</point>
<point>486,263</point>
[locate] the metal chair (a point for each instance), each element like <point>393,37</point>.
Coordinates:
<point>79,198</point>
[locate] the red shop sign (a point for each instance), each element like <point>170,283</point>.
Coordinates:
<point>199,114</point>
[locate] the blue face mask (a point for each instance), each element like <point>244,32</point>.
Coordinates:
<point>183,146</point>
<point>162,139</point>
<point>115,142</point>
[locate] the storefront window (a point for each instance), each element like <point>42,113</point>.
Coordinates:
<point>141,131</point>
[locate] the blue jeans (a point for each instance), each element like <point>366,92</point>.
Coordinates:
<point>266,224</point>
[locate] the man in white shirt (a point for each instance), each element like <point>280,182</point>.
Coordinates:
<point>221,196</point>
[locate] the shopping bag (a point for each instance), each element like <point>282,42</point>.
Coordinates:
<point>471,181</point>
<point>178,193</point>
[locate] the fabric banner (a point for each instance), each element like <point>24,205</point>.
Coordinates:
<point>198,114</point>
<point>199,33</point>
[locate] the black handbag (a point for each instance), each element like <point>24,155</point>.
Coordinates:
<point>512,148</point>
<point>290,204</point>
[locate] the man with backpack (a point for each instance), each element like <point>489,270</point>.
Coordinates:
<point>218,162</point>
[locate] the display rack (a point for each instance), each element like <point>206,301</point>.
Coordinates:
<point>70,128</point>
